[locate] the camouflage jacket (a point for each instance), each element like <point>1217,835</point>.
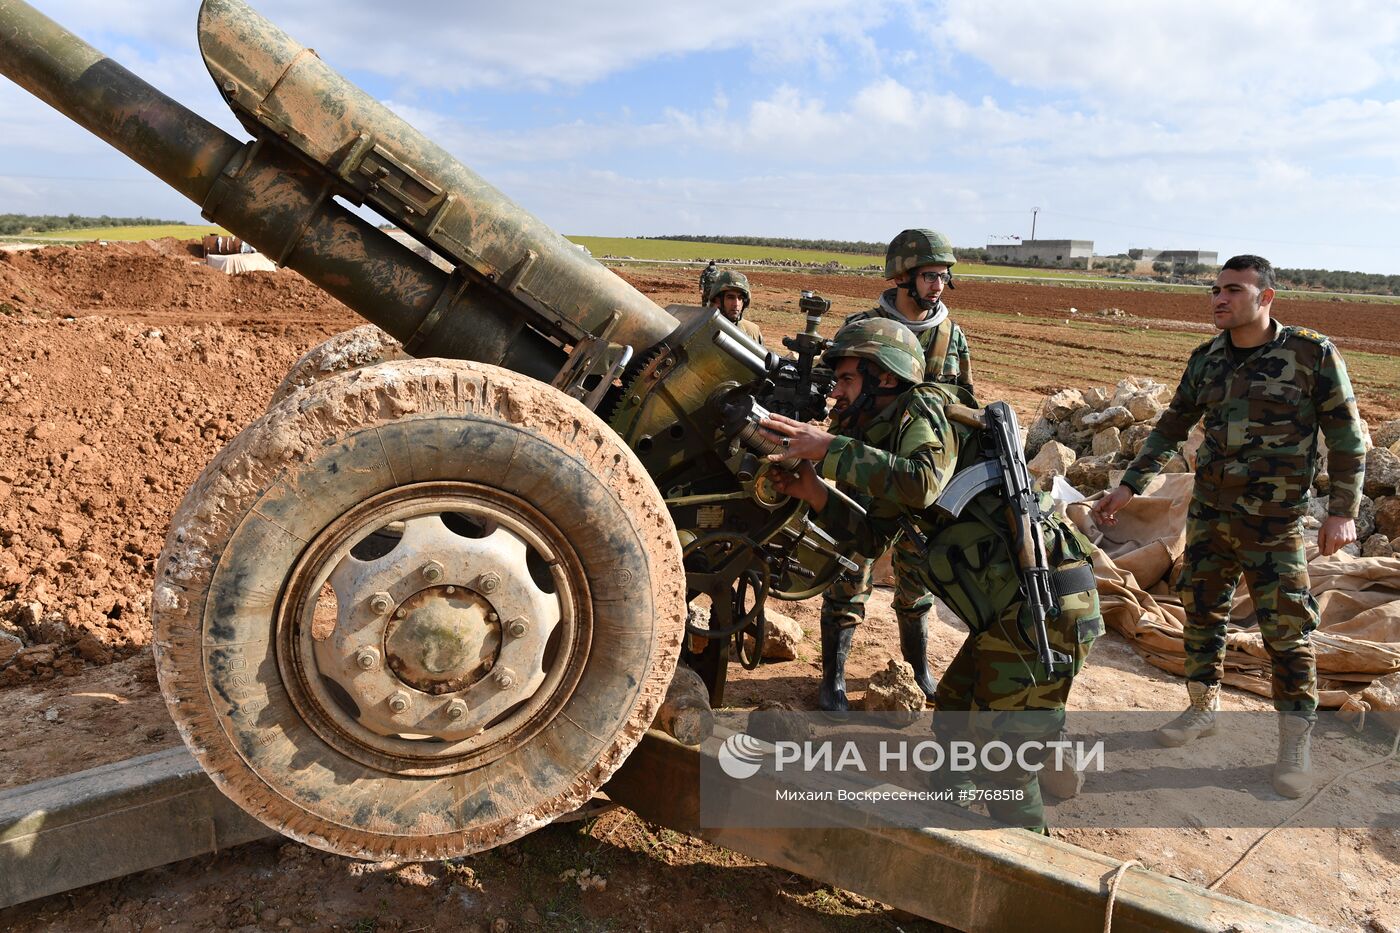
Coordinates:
<point>956,365</point>
<point>707,278</point>
<point>1261,422</point>
<point>904,458</point>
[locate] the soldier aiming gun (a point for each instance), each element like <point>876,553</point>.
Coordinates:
<point>903,444</point>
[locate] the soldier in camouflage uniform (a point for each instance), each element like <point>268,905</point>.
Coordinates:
<point>898,450</point>
<point>729,292</point>
<point>707,278</point>
<point>920,263</point>
<point>1265,389</point>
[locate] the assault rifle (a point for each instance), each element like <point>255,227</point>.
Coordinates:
<point>1006,467</point>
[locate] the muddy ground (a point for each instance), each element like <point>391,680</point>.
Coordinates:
<point>123,369</point>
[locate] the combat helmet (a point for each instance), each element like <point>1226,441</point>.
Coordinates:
<point>729,280</point>
<point>886,342</point>
<point>914,248</point>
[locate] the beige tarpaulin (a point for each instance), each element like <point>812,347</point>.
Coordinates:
<point>238,263</point>
<point>1359,598</point>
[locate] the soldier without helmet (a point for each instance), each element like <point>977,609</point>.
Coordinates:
<point>920,264</point>
<point>1264,389</point>
<point>899,448</point>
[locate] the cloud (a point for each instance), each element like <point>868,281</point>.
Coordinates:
<point>540,43</point>
<point>1189,53</point>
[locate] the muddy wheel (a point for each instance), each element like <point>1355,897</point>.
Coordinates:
<point>418,611</point>
<point>362,346</point>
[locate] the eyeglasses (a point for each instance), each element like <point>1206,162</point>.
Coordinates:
<point>929,278</point>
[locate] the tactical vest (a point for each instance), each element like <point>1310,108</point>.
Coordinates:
<point>969,562</point>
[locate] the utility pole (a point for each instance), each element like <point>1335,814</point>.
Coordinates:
<point>1034,212</point>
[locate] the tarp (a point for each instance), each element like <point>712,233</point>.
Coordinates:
<point>1357,641</point>
<point>238,263</point>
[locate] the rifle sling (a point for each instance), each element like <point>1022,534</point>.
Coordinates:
<point>1074,580</point>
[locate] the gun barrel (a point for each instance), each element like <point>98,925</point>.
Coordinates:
<point>180,147</point>
<point>520,293</point>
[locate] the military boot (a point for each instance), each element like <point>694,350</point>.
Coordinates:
<point>1199,718</point>
<point>913,644</point>
<point>836,645</point>
<point>1293,769</point>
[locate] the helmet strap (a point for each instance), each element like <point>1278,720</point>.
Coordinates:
<point>912,287</point>
<point>870,392</point>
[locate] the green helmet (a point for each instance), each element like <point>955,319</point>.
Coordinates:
<point>728,280</point>
<point>882,340</point>
<point>915,248</point>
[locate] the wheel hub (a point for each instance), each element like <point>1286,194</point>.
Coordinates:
<point>443,639</point>
<point>433,626</point>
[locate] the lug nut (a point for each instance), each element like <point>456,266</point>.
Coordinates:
<point>381,603</point>
<point>456,709</point>
<point>399,702</point>
<point>431,571</point>
<point>488,582</point>
<point>400,614</point>
<point>451,590</point>
<point>504,678</point>
<point>492,617</point>
<point>518,628</point>
<point>367,659</point>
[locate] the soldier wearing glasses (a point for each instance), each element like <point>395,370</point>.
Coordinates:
<point>920,264</point>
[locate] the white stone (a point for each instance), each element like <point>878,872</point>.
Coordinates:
<point>1053,458</point>
<point>895,690</point>
<point>784,636</point>
<point>1062,404</point>
<point>1382,472</point>
<point>1106,441</point>
<point>1143,407</point>
<point>1115,416</point>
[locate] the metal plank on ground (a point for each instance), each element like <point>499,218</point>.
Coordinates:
<point>77,830</point>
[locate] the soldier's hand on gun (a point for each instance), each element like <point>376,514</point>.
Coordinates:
<point>1336,533</point>
<point>802,483</point>
<point>798,439</point>
<point>1105,511</point>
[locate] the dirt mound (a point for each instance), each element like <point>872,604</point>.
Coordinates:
<point>160,279</point>
<point>109,419</point>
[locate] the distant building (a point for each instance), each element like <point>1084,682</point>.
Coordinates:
<point>1063,253</point>
<point>1186,257</point>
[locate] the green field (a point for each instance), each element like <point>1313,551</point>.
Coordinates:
<point>128,234</point>
<point>685,251</point>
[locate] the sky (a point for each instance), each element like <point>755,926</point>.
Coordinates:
<point>1229,126</point>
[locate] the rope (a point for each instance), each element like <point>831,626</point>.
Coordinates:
<point>1394,747</point>
<point>1113,892</point>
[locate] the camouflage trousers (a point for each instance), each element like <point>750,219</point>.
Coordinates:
<point>844,601</point>
<point>998,679</point>
<point>1268,551</point>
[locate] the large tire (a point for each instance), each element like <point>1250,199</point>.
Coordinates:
<point>356,348</point>
<point>333,561</point>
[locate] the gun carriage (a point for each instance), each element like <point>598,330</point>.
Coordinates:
<point>424,606</point>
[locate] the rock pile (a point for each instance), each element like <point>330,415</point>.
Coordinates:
<point>1089,436</point>
<point>1085,435</point>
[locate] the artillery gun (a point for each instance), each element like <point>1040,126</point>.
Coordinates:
<point>424,606</point>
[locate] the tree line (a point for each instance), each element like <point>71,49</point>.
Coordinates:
<point>1368,283</point>
<point>19,224</point>
<point>857,247</point>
